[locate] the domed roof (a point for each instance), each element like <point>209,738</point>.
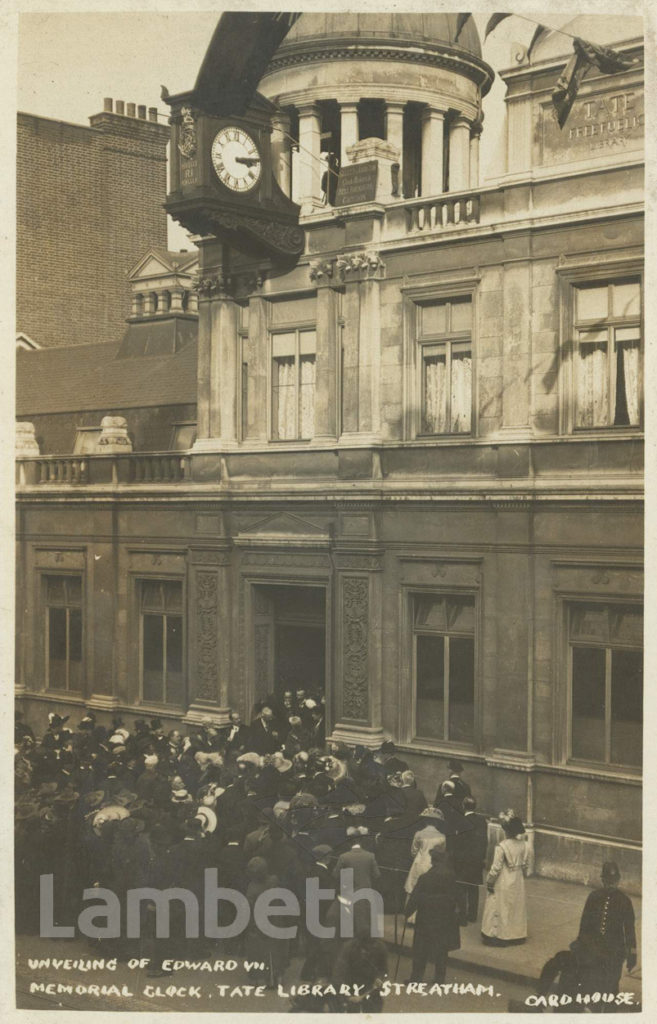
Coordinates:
<point>431,29</point>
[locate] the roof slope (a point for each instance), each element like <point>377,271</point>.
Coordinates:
<point>85,377</point>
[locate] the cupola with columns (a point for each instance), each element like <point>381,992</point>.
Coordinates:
<point>162,284</point>
<point>343,77</point>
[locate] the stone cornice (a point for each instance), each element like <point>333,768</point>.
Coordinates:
<point>403,51</point>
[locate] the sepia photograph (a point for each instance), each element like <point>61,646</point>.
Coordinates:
<point>329,518</point>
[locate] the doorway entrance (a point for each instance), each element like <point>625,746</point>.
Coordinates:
<point>289,636</point>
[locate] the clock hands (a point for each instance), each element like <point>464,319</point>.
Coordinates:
<point>249,161</point>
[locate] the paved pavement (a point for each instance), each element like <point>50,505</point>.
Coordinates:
<point>553,911</point>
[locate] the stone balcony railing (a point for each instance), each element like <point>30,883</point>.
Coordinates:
<point>72,470</point>
<point>431,214</point>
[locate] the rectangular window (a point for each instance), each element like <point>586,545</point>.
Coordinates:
<point>607,324</point>
<point>444,661</point>
<point>293,385</point>
<point>606,683</point>
<point>445,337</point>
<point>162,642</point>
<point>63,604</point>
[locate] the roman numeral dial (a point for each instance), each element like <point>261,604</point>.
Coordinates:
<point>236,159</point>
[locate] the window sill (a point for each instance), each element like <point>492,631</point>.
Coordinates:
<point>421,745</point>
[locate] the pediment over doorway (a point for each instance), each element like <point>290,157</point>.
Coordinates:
<point>284,528</point>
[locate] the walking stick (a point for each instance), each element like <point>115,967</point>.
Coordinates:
<point>400,948</point>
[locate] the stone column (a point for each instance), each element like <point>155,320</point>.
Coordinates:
<point>309,158</point>
<point>149,303</point>
<point>162,302</point>
<point>475,136</point>
<point>281,153</point>
<point>326,365</point>
<point>432,152</point>
<point>395,135</point>
<point>192,302</point>
<point>348,129</point>
<point>176,300</point>
<point>257,349</point>
<point>136,304</point>
<point>459,155</point>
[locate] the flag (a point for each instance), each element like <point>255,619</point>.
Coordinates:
<point>460,22</point>
<point>585,56</point>
<point>493,22</point>
<point>541,31</point>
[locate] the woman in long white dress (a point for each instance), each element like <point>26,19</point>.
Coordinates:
<point>504,920</point>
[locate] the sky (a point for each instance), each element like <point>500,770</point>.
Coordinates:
<point>69,61</point>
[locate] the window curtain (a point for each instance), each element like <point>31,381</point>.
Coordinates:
<point>592,388</point>
<point>307,412</point>
<point>435,395</point>
<point>631,369</point>
<point>461,392</point>
<point>284,412</point>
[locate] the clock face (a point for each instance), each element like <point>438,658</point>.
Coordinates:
<point>236,159</point>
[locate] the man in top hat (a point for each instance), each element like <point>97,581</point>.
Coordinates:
<point>235,734</point>
<point>263,735</point>
<point>386,756</point>
<point>606,933</point>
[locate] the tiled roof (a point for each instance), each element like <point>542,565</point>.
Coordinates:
<point>85,377</point>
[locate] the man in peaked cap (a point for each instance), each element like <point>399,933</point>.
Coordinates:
<point>607,933</point>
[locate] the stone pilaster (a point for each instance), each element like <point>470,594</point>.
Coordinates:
<point>359,625</point>
<point>217,365</point>
<point>209,634</point>
<point>326,364</point>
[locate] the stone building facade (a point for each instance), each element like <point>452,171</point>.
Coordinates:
<point>417,477</point>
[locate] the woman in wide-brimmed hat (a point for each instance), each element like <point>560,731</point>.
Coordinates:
<point>504,920</point>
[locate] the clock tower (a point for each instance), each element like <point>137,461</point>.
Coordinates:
<point>224,191</point>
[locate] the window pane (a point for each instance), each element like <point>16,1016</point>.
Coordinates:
<point>184,436</point>
<point>461,689</point>
<point>626,707</point>
<point>588,708</point>
<point>57,648</point>
<point>433,318</point>
<point>627,384</point>
<point>461,392</point>
<point>284,344</point>
<point>174,694</point>
<point>627,625</point>
<point>461,315</point>
<point>86,441</point>
<point>307,342</point>
<point>430,612</point>
<point>434,399</point>
<point>55,590</point>
<point>152,657</point>
<point>592,386</point>
<point>283,399</point>
<point>460,614</point>
<point>173,596</point>
<point>589,621</point>
<point>151,596</point>
<point>626,299</point>
<point>592,302</point>
<point>75,649</point>
<point>307,398</point>
<point>430,683</point>
<point>73,589</point>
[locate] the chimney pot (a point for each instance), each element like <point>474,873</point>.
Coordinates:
<point>120,107</point>
<point>152,113</point>
<point>141,111</point>
<point>130,109</point>
<point>107,104</point>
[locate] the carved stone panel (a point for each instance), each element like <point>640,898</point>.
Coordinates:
<point>207,655</point>
<point>355,641</point>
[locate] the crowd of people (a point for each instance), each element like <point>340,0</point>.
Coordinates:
<point>268,804</point>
